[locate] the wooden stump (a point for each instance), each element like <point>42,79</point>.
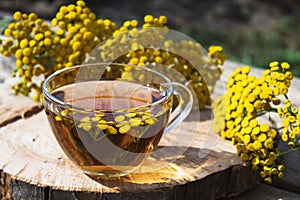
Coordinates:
<point>198,164</point>
<point>34,167</point>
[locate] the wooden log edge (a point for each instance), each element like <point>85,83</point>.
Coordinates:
<point>18,107</point>
<point>5,180</point>
<point>224,177</point>
<point>230,183</point>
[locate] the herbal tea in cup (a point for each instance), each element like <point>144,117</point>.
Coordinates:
<point>108,118</point>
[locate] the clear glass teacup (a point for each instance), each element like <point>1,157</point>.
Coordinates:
<point>108,118</point>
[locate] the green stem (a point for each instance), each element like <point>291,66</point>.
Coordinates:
<point>280,128</point>
<point>100,138</point>
<point>289,151</point>
<point>266,112</point>
<point>286,96</point>
<point>272,110</point>
<point>142,133</point>
<point>94,135</point>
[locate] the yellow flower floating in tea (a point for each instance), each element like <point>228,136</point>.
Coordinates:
<point>101,123</point>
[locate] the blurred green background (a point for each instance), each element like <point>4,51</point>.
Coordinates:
<point>251,32</point>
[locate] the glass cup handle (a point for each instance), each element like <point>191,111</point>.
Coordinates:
<point>184,106</point>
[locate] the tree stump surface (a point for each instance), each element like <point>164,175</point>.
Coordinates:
<point>30,154</point>
<point>32,165</point>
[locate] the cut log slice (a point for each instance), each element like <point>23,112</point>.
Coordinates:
<point>189,161</point>
<point>189,154</point>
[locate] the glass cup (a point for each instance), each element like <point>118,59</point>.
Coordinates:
<point>108,118</point>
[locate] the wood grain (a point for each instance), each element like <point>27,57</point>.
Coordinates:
<point>13,108</point>
<point>265,192</point>
<point>196,163</point>
<point>32,155</point>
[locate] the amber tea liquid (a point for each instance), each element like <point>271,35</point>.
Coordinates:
<point>109,129</point>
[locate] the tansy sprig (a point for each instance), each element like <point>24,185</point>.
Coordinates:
<point>152,47</point>
<point>241,114</point>
<point>40,48</point>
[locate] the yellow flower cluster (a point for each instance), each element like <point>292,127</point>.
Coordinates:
<point>41,48</point>
<point>241,112</point>
<point>78,32</point>
<point>290,124</point>
<point>28,39</point>
<point>216,54</point>
<point>184,61</point>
